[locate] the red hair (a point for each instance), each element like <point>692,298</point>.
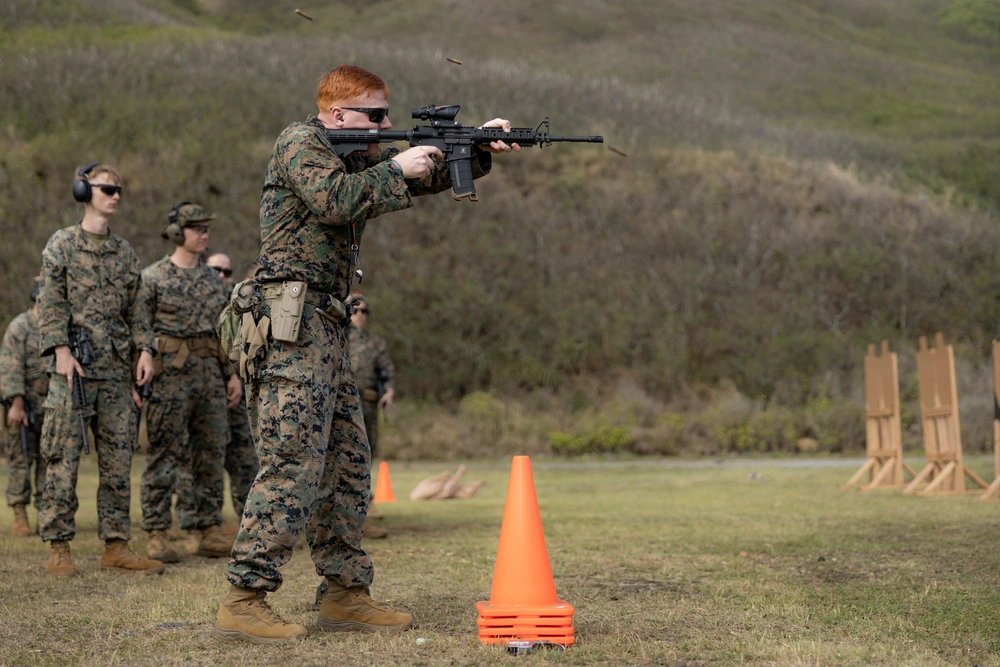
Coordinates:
<point>347,82</point>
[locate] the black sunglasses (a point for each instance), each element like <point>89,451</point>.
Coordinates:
<point>225,272</point>
<point>375,114</point>
<point>109,190</point>
<point>361,310</point>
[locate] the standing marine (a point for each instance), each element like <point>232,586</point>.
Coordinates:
<point>187,416</point>
<point>304,407</point>
<point>240,460</point>
<point>375,377</point>
<point>24,385</point>
<point>89,296</point>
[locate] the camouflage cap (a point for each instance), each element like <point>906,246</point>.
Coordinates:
<point>189,214</point>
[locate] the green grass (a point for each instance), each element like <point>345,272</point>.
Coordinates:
<point>665,562</point>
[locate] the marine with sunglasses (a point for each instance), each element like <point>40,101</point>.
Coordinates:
<point>241,458</point>
<point>187,415</point>
<point>90,281</point>
<point>304,406</point>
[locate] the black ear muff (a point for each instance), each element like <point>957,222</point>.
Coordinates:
<point>174,231</point>
<point>81,186</point>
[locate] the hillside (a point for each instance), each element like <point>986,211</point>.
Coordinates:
<point>803,177</point>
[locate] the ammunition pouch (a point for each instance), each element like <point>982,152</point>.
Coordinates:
<point>369,395</point>
<point>242,331</point>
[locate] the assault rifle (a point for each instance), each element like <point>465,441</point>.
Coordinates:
<point>145,391</point>
<point>80,348</point>
<point>381,377</point>
<point>453,139</point>
<point>29,409</point>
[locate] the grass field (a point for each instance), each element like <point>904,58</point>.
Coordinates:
<point>666,562</point>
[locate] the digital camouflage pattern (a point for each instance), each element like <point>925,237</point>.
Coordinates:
<point>187,418</point>
<point>311,197</point>
<point>241,456</point>
<point>114,428</point>
<point>97,288</point>
<point>304,409</point>
<point>22,373</point>
<point>183,303</point>
<point>305,415</point>
<point>368,353</point>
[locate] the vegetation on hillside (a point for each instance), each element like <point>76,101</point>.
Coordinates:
<point>803,178</point>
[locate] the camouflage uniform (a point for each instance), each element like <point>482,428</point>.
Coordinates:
<point>96,288</point>
<point>304,408</point>
<point>187,419</point>
<point>23,373</point>
<point>369,353</point>
<point>241,457</point>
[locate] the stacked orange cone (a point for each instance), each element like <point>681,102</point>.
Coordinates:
<point>523,604</point>
<point>383,487</point>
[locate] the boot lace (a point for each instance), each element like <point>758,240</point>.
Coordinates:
<point>264,610</point>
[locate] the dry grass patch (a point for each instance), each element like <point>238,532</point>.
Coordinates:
<point>666,562</point>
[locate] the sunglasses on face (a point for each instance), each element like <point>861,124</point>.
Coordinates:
<point>109,190</point>
<point>375,114</point>
<point>363,311</point>
<point>199,229</point>
<point>222,271</point>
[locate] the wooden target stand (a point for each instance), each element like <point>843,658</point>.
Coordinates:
<point>944,473</point>
<point>993,491</point>
<point>884,435</point>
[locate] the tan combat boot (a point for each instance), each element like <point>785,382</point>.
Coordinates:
<point>345,609</point>
<point>373,532</point>
<point>60,564</point>
<point>21,526</point>
<point>158,549</point>
<point>245,614</point>
<point>117,556</point>
<point>211,543</point>
<point>374,513</point>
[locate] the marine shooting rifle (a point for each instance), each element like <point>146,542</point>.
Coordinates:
<point>453,139</point>
<point>80,348</point>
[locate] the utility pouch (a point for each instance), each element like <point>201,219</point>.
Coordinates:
<point>286,311</point>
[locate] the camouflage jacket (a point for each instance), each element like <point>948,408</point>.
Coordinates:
<point>97,289</point>
<point>369,352</point>
<point>181,304</point>
<point>311,198</point>
<point>22,370</point>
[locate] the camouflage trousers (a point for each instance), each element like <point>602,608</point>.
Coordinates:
<point>113,425</point>
<point>315,466</point>
<point>19,472</point>
<point>188,429</point>
<point>241,456</point>
<point>370,411</point>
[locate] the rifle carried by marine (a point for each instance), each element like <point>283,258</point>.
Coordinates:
<point>453,139</point>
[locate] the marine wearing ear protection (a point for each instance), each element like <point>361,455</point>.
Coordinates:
<point>174,229</point>
<point>81,186</point>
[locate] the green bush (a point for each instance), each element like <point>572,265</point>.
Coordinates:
<point>603,440</point>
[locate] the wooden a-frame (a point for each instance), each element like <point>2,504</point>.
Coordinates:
<point>884,435</point>
<point>945,472</point>
<point>993,491</point>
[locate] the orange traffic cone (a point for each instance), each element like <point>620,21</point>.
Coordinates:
<point>523,604</point>
<point>383,488</point>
